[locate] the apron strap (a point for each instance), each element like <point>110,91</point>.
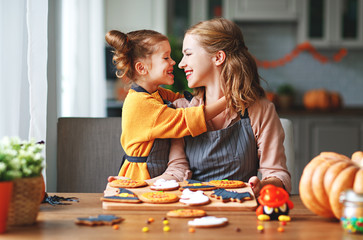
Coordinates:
<point>245,115</point>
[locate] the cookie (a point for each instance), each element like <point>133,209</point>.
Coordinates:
<point>127,183</point>
<point>194,185</point>
<point>158,197</point>
<point>230,196</point>
<point>209,221</point>
<point>164,185</point>
<point>99,220</point>
<point>194,198</point>
<point>186,213</point>
<point>227,183</point>
<point>123,195</point>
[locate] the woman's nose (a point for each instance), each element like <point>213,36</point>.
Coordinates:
<point>181,65</point>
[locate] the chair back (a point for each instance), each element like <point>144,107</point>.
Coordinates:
<point>290,153</point>
<point>88,151</point>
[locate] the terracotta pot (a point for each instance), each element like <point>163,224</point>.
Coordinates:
<point>6,189</point>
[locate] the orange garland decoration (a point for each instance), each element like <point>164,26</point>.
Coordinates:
<point>306,46</point>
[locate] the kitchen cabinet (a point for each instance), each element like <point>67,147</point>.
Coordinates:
<point>331,23</point>
<point>260,10</point>
<point>316,132</point>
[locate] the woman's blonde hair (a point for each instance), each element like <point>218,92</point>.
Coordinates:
<point>239,76</point>
<point>130,47</point>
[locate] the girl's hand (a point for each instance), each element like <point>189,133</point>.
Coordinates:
<point>255,184</point>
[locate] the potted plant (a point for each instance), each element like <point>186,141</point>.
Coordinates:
<point>285,93</point>
<point>21,165</point>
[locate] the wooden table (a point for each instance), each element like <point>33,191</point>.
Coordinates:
<point>57,222</point>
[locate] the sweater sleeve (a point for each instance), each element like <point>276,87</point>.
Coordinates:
<point>149,119</point>
<point>269,136</point>
<point>169,95</point>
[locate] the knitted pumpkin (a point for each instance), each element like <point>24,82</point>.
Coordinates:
<point>321,99</point>
<point>325,177</point>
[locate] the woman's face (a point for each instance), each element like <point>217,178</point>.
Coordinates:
<point>197,63</point>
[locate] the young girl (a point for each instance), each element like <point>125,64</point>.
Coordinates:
<point>245,138</point>
<point>148,121</point>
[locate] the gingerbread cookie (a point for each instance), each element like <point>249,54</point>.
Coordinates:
<point>227,183</point>
<point>127,183</point>
<point>158,197</point>
<point>123,195</point>
<point>164,185</point>
<point>194,185</point>
<point>194,198</point>
<point>99,220</point>
<point>227,196</point>
<point>186,213</point>
<point>209,221</point>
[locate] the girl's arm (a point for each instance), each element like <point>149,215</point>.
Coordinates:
<point>214,109</point>
<point>210,111</point>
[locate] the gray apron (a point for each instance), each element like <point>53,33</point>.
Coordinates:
<point>158,158</point>
<point>229,153</point>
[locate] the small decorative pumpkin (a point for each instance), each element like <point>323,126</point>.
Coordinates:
<point>325,177</point>
<point>321,99</point>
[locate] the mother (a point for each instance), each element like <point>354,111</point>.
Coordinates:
<point>247,137</point>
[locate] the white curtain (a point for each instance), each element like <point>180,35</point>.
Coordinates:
<point>23,68</point>
<point>83,83</point>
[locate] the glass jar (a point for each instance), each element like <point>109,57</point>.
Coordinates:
<point>352,212</point>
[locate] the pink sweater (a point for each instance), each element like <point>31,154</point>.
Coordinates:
<point>269,136</point>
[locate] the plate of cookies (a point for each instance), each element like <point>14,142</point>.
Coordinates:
<point>223,195</point>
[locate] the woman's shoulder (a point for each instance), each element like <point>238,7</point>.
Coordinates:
<point>263,112</point>
<point>262,104</point>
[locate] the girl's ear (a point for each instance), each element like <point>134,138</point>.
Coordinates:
<point>220,57</point>
<point>140,68</point>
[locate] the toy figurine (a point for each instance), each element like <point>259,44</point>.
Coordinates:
<point>275,204</point>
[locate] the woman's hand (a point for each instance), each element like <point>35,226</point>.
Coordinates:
<point>255,184</point>
<point>112,178</point>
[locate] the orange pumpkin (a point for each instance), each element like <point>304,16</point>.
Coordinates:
<point>321,99</point>
<point>325,177</point>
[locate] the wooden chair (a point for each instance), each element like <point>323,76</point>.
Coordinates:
<point>88,151</point>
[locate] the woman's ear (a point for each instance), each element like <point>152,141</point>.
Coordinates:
<point>140,68</point>
<point>220,57</point>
